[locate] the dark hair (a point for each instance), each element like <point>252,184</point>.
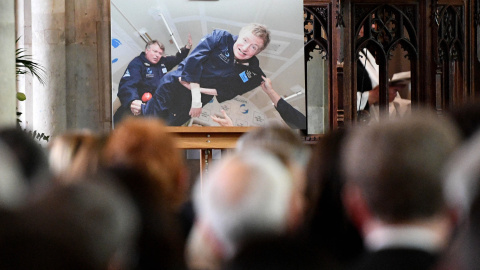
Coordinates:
<point>327,225</point>
<point>30,155</point>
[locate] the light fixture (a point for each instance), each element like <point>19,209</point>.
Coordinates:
<point>144,35</point>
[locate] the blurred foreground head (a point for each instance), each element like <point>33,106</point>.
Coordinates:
<point>144,147</point>
<point>462,177</point>
<point>90,224</point>
<point>279,140</point>
<point>30,155</point>
<point>246,195</point>
<point>74,155</point>
<point>13,187</point>
<point>396,165</point>
<point>288,147</point>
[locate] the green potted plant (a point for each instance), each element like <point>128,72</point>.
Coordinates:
<point>26,65</point>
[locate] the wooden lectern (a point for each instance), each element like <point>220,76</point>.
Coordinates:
<point>207,138</point>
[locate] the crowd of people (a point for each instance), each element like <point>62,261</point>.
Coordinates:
<point>396,194</point>
<point>400,194</point>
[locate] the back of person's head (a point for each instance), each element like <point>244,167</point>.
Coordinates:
<point>280,140</point>
<point>13,186</point>
<point>397,165</point>
<point>324,178</point>
<point>31,156</point>
<point>145,147</point>
<point>143,156</point>
<point>327,225</point>
<point>288,147</point>
<point>74,155</point>
<point>160,243</point>
<point>245,195</point>
<point>90,224</point>
<point>467,118</point>
<point>462,176</point>
<point>462,192</point>
<point>469,245</point>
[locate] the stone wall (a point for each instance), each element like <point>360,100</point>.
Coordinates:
<point>71,40</point>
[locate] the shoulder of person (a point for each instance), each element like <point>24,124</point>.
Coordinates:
<point>219,34</point>
<point>254,62</point>
<point>137,62</point>
<point>140,59</point>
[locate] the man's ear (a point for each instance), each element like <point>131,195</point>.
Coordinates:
<point>355,205</point>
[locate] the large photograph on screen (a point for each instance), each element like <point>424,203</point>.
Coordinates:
<point>251,85</point>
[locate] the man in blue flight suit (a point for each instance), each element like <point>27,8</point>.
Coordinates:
<point>222,65</point>
<point>143,75</point>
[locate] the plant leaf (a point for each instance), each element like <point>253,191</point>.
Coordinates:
<point>21,96</point>
<point>25,64</point>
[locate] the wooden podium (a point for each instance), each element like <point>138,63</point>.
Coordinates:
<point>207,138</point>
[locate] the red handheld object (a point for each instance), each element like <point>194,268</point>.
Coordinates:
<point>146,96</point>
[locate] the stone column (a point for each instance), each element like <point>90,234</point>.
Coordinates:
<point>7,63</point>
<point>71,39</point>
<point>48,106</point>
<point>88,64</point>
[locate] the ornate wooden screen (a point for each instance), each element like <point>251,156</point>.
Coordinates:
<point>441,39</point>
<point>318,40</point>
<point>316,22</point>
<point>323,21</point>
<point>449,41</point>
<point>385,27</point>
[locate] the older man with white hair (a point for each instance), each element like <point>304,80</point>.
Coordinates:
<point>248,194</point>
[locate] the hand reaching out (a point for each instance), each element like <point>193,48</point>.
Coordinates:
<point>225,121</point>
<point>373,95</point>
<point>189,42</point>
<point>195,112</point>
<point>266,84</point>
<point>268,89</point>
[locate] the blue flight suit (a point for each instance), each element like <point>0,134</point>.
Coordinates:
<point>212,65</point>
<point>142,76</point>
